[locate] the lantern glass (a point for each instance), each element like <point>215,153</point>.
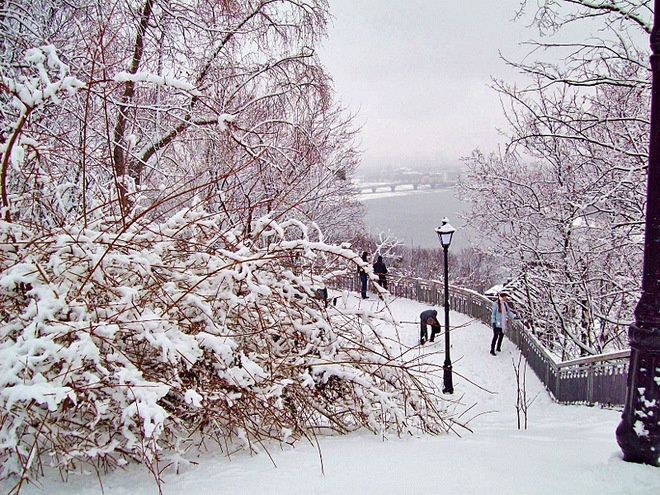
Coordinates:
<point>445,233</point>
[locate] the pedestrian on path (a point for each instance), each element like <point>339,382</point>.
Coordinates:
<point>363,276</point>
<point>428,317</point>
<point>381,270</point>
<point>500,317</point>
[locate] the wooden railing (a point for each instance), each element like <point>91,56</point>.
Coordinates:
<point>592,380</point>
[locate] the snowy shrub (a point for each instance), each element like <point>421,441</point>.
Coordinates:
<point>135,343</point>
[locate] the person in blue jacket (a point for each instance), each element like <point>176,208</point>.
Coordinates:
<point>500,317</point>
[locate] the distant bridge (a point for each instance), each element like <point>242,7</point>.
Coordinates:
<point>392,186</point>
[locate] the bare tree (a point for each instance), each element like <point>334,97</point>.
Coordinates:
<point>178,96</point>
<point>564,201</point>
<point>522,401</point>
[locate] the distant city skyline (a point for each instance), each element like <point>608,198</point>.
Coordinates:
<point>392,171</point>
<point>414,165</point>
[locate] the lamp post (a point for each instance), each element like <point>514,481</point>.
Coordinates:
<point>638,434</point>
<point>445,233</point>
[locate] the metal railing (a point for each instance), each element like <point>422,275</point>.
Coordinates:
<point>592,380</point>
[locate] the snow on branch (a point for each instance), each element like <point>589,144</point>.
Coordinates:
<point>156,80</point>
<point>49,79</point>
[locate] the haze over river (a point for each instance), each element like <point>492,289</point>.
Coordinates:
<point>412,216</point>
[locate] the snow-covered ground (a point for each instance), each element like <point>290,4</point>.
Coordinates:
<point>565,450</point>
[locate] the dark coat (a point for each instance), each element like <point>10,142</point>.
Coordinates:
<point>360,270</point>
<point>379,267</point>
<point>429,313</point>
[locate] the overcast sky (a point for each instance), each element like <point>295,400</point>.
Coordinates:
<point>418,72</point>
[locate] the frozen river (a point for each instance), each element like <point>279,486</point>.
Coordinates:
<point>413,216</point>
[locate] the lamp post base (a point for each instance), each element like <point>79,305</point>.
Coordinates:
<point>447,380</point>
<point>638,434</point>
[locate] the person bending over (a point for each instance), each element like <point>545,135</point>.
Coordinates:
<point>428,317</point>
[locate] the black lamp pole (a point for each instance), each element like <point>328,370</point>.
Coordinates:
<point>638,434</point>
<point>445,233</point>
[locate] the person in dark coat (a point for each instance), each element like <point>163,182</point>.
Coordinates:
<point>363,276</point>
<point>381,270</point>
<point>428,317</point>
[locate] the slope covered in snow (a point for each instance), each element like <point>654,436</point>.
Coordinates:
<point>565,449</point>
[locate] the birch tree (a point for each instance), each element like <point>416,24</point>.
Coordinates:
<point>182,96</point>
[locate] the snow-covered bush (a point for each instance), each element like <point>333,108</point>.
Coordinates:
<point>137,342</point>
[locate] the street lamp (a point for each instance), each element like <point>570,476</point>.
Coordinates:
<point>638,434</point>
<point>445,233</point>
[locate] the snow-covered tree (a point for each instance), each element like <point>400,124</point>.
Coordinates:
<point>563,204</point>
<point>143,342</point>
<point>225,96</point>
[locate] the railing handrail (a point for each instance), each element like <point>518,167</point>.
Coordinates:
<point>596,358</point>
